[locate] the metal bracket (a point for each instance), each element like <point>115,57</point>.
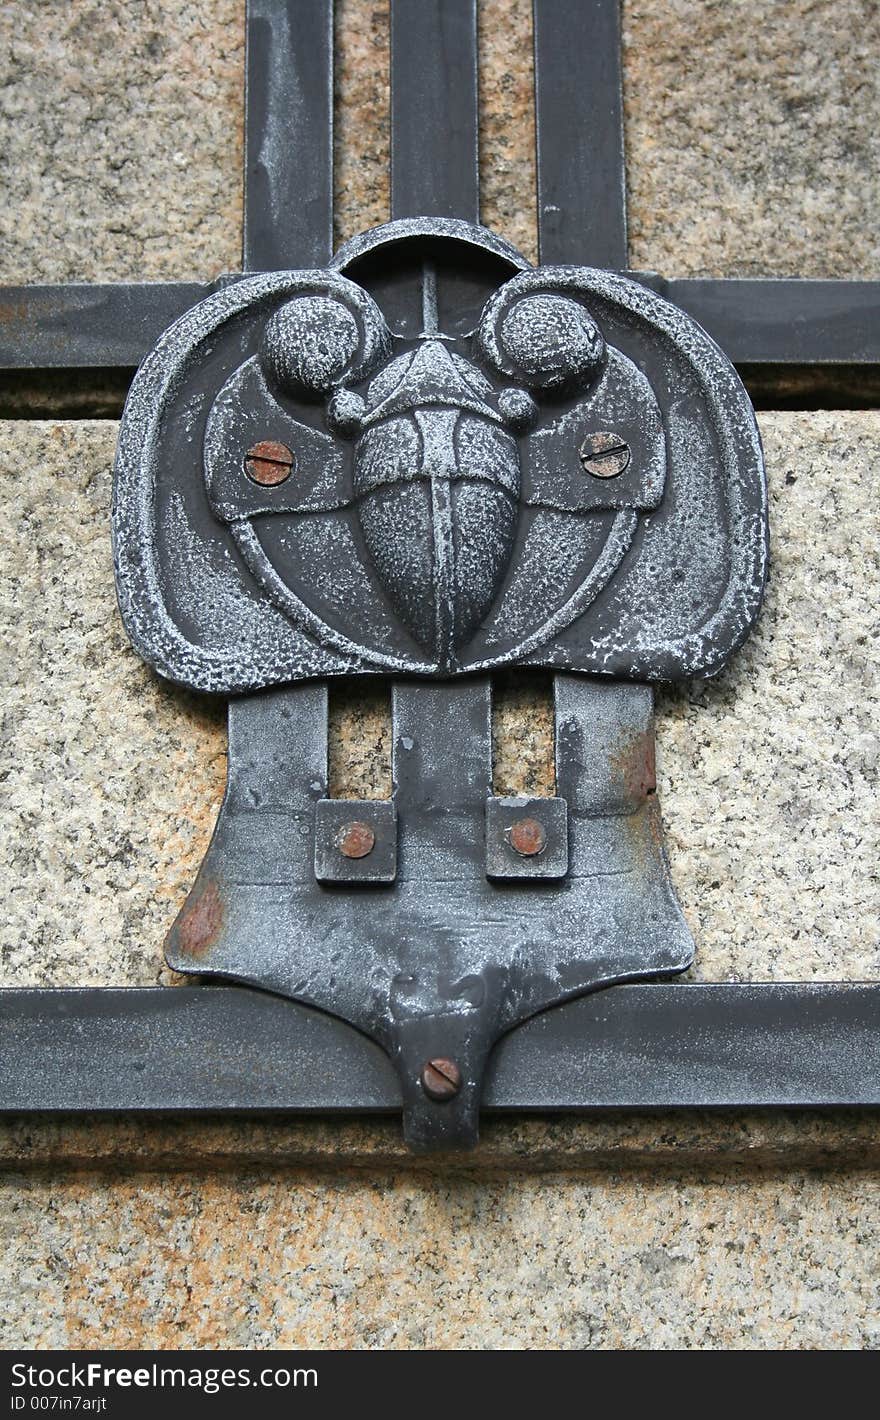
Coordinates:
<point>439,959</point>
<point>433,460</point>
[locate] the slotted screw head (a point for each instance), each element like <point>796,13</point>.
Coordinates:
<point>441,1079</point>
<point>268,463</point>
<point>604,455</point>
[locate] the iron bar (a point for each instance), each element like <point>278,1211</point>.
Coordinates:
<point>217,1048</point>
<point>777,321</point>
<point>579,129</point>
<point>288,188</point>
<point>84,327</point>
<point>762,321</point>
<point>434,156</point>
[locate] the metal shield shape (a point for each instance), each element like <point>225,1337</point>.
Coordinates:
<point>437,504</point>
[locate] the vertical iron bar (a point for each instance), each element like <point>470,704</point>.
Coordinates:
<point>442,771</point>
<point>434,155</point>
<point>288,186</point>
<point>596,722</point>
<point>579,126</point>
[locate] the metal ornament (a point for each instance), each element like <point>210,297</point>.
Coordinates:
<point>428,461</point>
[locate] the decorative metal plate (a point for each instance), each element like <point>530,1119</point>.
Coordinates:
<point>475,464</point>
<point>431,460</point>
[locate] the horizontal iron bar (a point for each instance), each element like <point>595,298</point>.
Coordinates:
<point>226,1048</point>
<point>779,322</point>
<point>774,322</point>
<point>85,327</point>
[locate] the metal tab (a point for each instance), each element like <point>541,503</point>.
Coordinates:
<point>355,841</point>
<point>526,839</point>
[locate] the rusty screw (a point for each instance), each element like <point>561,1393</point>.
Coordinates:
<point>355,839</point>
<point>268,463</point>
<point>527,837</point>
<point>441,1079</point>
<point>604,455</point>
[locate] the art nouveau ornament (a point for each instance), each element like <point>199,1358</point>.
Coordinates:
<point>430,461</point>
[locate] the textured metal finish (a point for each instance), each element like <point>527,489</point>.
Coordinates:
<point>355,841</point>
<point>220,1049</point>
<point>443,962</point>
<point>388,239</point>
<point>579,129</point>
<point>436,403</point>
<point>409,452</point>
<point>795,322</point>
<point>434,109</point>
<point>288,193</point>
<point>99,327</point>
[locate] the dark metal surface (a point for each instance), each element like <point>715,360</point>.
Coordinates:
<point>432,459</point>
<point>526,838</point>
<point>355,842</point>
<point>434,109</point>
<point>579,130</point>
<point>443,961</point>
<point>799,323</point>
<point>443,516</point>
<point>796,322</point>
<point>288,193</point>
<point>222,1049</point>
<point>88,327</point>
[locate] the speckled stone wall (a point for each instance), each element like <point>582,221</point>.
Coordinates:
<point>409,1260</point>
<point>751,149</point>
<point>122,139</point>
<point>752,140</point>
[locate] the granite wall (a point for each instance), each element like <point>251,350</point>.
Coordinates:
<point>751,150</point>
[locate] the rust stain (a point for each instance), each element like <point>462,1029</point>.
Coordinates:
<point>269,463</point>
<point>655,829</point>
<point>527,837</point>
<point>13,313</point>
<point>441,1078</point>
<point>201,920</point>
<point>356,839</point>
<point>635,764</point>
<point>644,831</point>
